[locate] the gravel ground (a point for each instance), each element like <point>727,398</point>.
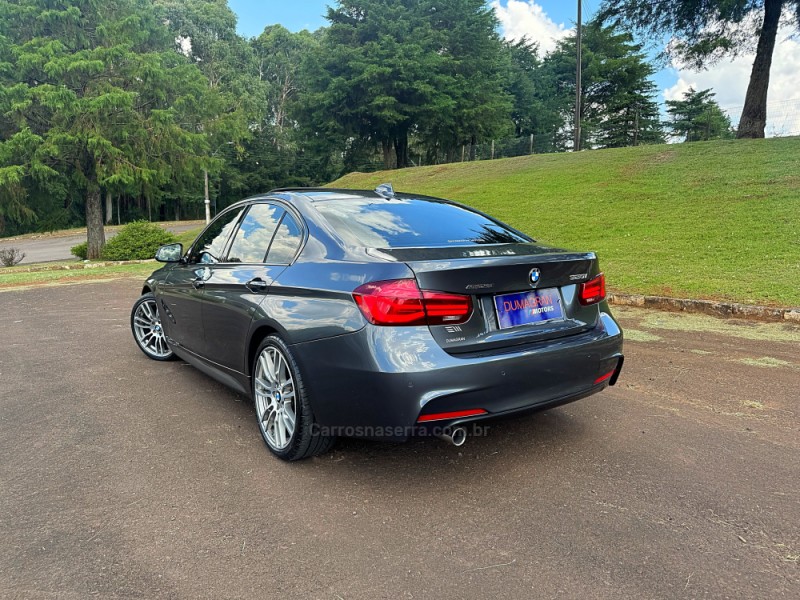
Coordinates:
<point>125,478</point>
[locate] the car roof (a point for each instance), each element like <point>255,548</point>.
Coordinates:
<point>319,194</point>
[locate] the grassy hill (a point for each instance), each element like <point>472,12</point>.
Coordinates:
<point>717,220</point>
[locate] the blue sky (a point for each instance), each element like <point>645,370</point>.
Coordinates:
<point>546,20</point>
<point>254,15</point>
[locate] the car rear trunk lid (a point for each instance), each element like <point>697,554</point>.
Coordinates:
<point>521,293</point>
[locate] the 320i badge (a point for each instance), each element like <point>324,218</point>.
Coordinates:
<point>379,315</point>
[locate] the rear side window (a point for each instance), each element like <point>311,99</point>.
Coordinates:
<point>411,223</point>
<point>286,242</point>
<point>255,234</point>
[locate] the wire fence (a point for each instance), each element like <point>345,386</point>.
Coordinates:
<point>783,117</point>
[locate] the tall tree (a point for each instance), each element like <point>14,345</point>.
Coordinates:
<point>705,30</point>
<point>536,109</point>
<point>94,97</point>
<point>387,69</point>
<point>618,106</point>
<point>205,32</point>
<point>472,69</point>
<point>698,117</point>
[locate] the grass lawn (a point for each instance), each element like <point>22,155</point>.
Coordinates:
<point>23,275</point>
<point>714,220</point>
<point>13,280</point>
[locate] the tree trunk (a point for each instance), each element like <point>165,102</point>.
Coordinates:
<point>754,114</point>
<point>473,147</point>
<point>401,149</point>
<point>387,154</point>
<point>109,208</point>
<point>95,234</point>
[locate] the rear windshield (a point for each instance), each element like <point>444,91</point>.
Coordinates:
<point>403,223</point>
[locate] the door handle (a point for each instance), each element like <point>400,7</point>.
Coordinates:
<point>202,275</point>
<point>257,285</point>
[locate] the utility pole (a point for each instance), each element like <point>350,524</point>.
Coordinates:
<point>577,143</point>
<point>207,199</point>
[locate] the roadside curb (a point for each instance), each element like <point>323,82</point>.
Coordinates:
<point>77,266</point>
<point>708,307</point>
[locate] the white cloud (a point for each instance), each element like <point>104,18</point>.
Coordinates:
<point>527,19</point>
<point>729,81</point>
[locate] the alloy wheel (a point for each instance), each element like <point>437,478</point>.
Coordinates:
<point>275,398</point>
<point>148,331</point>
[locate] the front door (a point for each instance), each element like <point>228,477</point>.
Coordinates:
<point>182,293</point>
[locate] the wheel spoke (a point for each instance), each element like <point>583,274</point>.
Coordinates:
<point>264,360</point>
<point>268,418</point>
<point>264,385</point>
<point>274,362</point>
<point>280,430</point>
<point>147,312</point>
<point>279,367</point>
<point>289,420</point>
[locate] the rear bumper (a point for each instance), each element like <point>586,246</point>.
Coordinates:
<point>376,382</point>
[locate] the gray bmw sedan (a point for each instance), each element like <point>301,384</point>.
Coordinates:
<point>380,315</point>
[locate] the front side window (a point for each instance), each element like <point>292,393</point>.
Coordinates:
<point>210,246</point>
<point>255,234</point>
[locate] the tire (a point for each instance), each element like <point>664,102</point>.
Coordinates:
<point>283,412</point>
<point>147,331</point>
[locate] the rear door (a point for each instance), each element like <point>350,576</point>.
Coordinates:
<point>262,247</point>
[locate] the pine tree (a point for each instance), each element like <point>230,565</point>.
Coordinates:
<point>94,98</point>
<point>698,117</point>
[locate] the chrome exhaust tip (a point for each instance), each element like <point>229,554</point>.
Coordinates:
<point>454,435</point>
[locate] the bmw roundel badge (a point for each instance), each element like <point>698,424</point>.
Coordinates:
<point>534,277</point>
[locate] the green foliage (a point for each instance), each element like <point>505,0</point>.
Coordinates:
<point>95,98</point>
<point>704,30</point>
<point>385,69</point>
<point>618,106</point>
<point>698,117</point>
<point>127,104</point>
<point>682,220</point>
<point>700,32</point>
<point>537,108</point>
<point>80,250</point>
<point>137,241</point>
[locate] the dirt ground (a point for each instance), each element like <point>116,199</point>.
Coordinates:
<point>121,477</point>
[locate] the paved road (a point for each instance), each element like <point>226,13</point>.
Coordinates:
<point>49,248</point>
<point>125,478</point>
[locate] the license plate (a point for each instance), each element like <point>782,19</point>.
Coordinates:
<point>526,308</point>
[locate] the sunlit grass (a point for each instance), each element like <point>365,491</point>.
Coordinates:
<point>718,220</point>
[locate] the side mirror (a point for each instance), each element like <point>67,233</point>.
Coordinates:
<point>171,253</point>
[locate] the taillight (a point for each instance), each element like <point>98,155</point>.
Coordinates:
<point>446,309</point>
<point>401,302</point>
<point>593,291</point>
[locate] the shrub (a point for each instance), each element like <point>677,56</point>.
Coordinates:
<point>11,256</point>
<point>81,250</point>
<point>137,241</point>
